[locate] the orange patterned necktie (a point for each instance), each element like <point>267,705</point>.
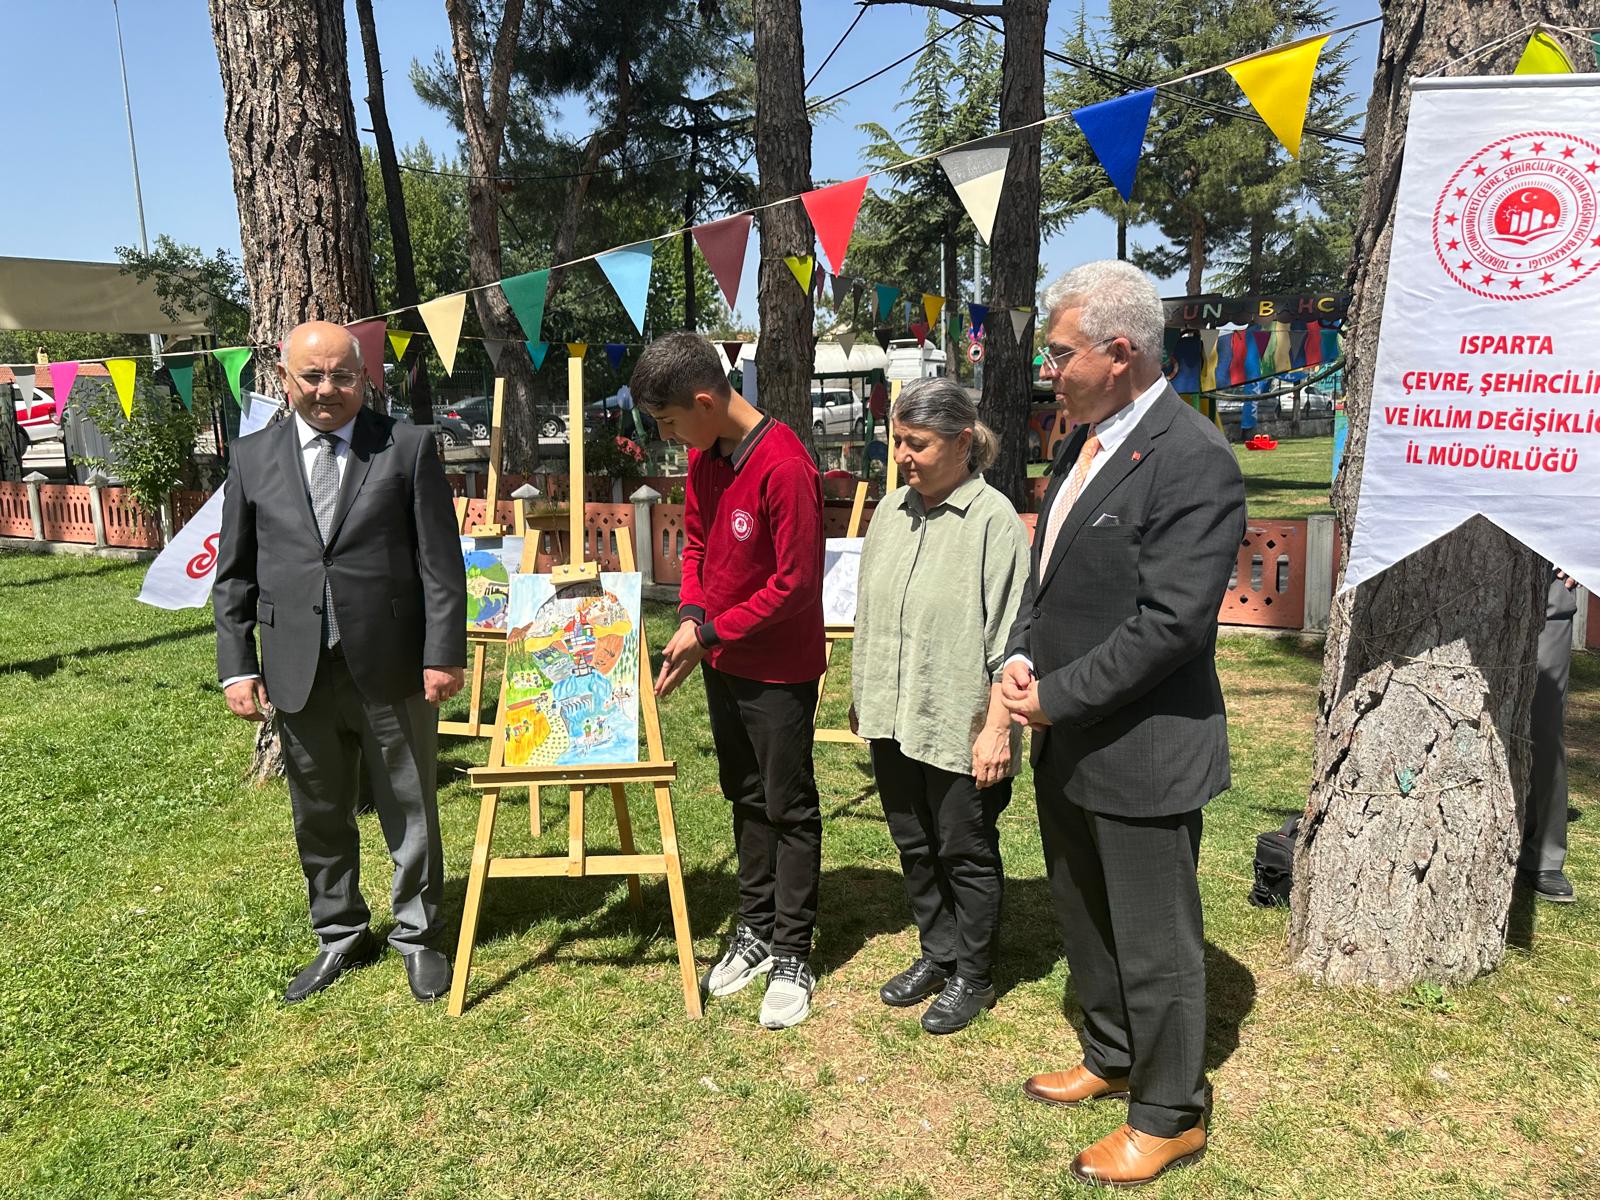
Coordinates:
<point>1066,497</point>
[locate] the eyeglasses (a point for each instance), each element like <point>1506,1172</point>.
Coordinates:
<point>343,380</point>
<point>1054,364</point>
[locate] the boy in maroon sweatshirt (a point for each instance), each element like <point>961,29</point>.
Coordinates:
<point>751,617</point>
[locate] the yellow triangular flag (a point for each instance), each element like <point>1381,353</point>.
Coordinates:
<point>802,265</point>
<point>1543,55</point>
<point>443,319</point>
<point>1278,86</point>
<point>399,339</point>
<point>933,306</point>
<point>577,349</point>
<point>122,370</point>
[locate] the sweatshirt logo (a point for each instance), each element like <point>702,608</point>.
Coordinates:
<point>743,524</point>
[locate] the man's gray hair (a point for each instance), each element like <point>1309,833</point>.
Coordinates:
<point>1117,299</point>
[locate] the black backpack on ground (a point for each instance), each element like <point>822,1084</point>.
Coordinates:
<point>1275,865</point>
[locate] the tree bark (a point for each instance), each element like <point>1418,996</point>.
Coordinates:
<point>484,118</point>
<point>1014,248</point>
<point>786,352</point>
<point>297,178</point>
<point>394,198</point>
<point>1197,255</point>
<point>1404,865</point>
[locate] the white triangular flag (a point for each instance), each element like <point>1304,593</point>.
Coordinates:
<point>977,175</point>
<point>1019,321</point>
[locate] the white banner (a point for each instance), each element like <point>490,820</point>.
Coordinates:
<point>182,574</point>
<point>1487,392</point>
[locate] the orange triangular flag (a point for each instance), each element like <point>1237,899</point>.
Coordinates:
<point>1278,86</point>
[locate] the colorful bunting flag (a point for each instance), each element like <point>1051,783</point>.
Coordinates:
<point>537,351</point>
<point>979,313</point>
<point>920,332</point>
<point>1020,319</point>
<point>233,359</point>
<point>122,371</point>
<point>932,306</point>
<point>526,294</point>
<point>722,244</point>
<point>833,215</point>
<point>442,317</point>
<point>977,175</point>
<point>883,336</point>
<point>369,336</point>
<point>628,270</point>
<point>847,343</point>
<point>1543,55</point>
<point>494,348</point>
<point>182,380</point>
<point>399,340</point>
<point>733,350</point>
<point>577,349</point>
<point>819,281</point>
<point>22,380</point>
<point>1278,86</point>
<point>1115,131</point>
<point>62,375</point>
<point>801,265</point>
<point>841,287</point>
<point>614,353</point>
<point>886,297</point>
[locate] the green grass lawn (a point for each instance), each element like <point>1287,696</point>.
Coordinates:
<point>155,911</point>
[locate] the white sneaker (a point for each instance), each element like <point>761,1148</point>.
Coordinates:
<point>788,998</point>
<point>746,957</point>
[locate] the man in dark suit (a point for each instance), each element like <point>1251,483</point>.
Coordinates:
<point>339,547</point>
<point>1112,663</point>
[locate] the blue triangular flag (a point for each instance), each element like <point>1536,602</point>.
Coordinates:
<point>1115,132</point>
<point>537,351</point>
<point>614,353</point>
<point>628,269</point>
<point>980,314</point>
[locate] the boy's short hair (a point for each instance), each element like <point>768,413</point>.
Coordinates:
<point>673,368</point>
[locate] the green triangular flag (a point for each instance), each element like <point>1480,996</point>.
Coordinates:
<point>183,381</point>
<point>233,359</point>
<point>525,294</point>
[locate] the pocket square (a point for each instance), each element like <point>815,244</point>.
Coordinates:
<point>1106,521</point>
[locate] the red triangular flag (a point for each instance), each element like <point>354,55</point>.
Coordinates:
<point>732,349</point>
<point>833,215</point>
<point>920,331</point>
<point>723,244</point>
<point>369,336</point>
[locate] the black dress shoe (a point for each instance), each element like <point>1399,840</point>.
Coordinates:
<point>327,966</point>
<point>957,1006</point>
<point>1549,885</point>
<point>429,974</point>
<point>913,985</point>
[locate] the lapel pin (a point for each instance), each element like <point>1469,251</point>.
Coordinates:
<point>1135,456</point>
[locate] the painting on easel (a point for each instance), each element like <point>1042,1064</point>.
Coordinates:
<point>572,672</point>
<point>490,563</point>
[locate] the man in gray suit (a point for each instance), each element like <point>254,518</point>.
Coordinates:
<point>1542,865</point>
<point>1112,663</point>
<point>339,548</point>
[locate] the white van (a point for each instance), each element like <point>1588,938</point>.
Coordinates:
<point>908,361</point>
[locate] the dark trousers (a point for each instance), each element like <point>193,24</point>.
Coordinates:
<point>1544,824</point>
<point>323,745</point>
<point>1129,906</point>
<point>763,736</point>
<point>946,829</point>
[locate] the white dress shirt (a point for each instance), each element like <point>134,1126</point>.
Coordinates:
<point>309,449</point>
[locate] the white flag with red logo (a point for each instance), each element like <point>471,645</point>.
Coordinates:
<point>1486,395</point>
<point>182,574</point>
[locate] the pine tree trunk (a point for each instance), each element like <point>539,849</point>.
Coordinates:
<point>1014,248</point>
<point>394,197</point>
<point>291,130</point>
<point>1404,866</point>
<point>1197,255</point>
<point>483,110</point>
<point>786,352</point>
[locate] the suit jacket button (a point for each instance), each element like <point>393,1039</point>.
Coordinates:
<point>327,559</point>
<point>1037,613</point>
<point>317,608</point>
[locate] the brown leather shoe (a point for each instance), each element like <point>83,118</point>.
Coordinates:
<point>1072,1088</point>
<point>1127,1157</point>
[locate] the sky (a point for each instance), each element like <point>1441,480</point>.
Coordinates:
<point>69,134</point>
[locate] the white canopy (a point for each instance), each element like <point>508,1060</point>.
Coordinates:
<point>61,296</point>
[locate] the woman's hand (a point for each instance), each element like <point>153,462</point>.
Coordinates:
<point>991,755</point>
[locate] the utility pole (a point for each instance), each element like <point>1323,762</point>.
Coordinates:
<point>133,154</point>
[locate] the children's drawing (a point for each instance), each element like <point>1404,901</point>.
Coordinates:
<point>841,567</point>
<point>572,672</point>
<point>490,563</point>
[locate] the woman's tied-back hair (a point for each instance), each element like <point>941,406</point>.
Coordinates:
<point>944,406</point>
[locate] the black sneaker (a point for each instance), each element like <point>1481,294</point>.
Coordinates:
<point>913,985</point>
<point>957,1006</point>
<point>746,957</point>
<point>1549,885</point>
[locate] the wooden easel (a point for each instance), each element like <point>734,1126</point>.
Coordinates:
<point>657,771</point>
<point>839,633</point>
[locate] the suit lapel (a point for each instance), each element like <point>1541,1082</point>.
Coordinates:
<point>1127,458</point>
<point>364,443</point>
<point>1060,472</point>
<point>292,469</point>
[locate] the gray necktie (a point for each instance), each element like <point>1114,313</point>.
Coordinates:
<point>324,499</point>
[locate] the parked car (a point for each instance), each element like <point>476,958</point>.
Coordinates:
<point>452,430</point>
<point>837,413</point>
<point>473,412</point>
